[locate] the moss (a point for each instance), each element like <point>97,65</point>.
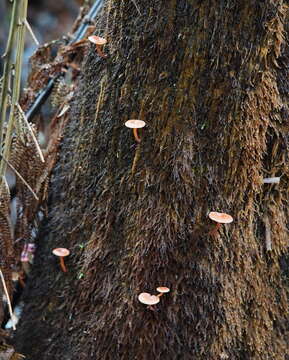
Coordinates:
<point>143,210</point>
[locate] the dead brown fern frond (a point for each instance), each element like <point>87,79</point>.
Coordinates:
<point>59,92</point>
<point>25,159</point>
<point>8,353</point>
<point>6,239</point>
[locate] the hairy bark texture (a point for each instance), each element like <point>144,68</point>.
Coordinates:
<point>210,78</point>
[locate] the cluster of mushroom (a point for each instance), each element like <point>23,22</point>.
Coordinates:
<point>148,299</point>
<point>135,124</point>
<point>220,218</point>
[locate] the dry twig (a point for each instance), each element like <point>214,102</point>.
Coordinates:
<point>8,299</point>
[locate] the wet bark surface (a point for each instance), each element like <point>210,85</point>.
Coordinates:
<point>210,78</point>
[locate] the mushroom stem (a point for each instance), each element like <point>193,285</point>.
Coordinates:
<point>99,51</point>
<point>215,229</point>
<point>62,265</point>
<point>135,134</point>
<point>160,294</point>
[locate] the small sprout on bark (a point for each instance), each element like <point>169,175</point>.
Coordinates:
<point>99,42</point>
<point>272,180</point>
<point>80,275</point>
<point>219,218</point>
<point>61,253</point>
<point>64,110</point>
<point>268,239</point>
<point>162,290</point>
<point>135,124</point>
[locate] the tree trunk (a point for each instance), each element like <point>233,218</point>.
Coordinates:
<point>210,78</point>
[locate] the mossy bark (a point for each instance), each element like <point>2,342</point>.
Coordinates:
<point>210,78</point>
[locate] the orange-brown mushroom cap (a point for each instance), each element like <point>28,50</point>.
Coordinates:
<point>148,299</point>
<point>97,40</point>
<point>163,289</point>
<point>61,252</point>
<point>220,218</point>
<point>135,124</point>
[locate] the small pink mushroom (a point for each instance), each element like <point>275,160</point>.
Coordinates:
<point>135,124</point>
<point>99,42</point>
<point>148,299</point>
<point>162,290</point>
<point>61,253</point>
<point>220,218</point>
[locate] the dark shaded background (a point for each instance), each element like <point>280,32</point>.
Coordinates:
<point>48,19</point>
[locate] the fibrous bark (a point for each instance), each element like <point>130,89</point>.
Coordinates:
<point>210,78</point>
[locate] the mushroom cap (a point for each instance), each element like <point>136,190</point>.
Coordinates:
<point>61,252</point>
<point>221,218</point>
<point>148,299</point>
<point>97,40</point>
<point>163,289</point>
<point>135,124</point>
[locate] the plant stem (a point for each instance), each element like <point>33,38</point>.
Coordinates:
<point>16,82</point>
<point>137,138</point>
<point>18,64</point>
<point>7,68</point>
<point>31,32</point>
